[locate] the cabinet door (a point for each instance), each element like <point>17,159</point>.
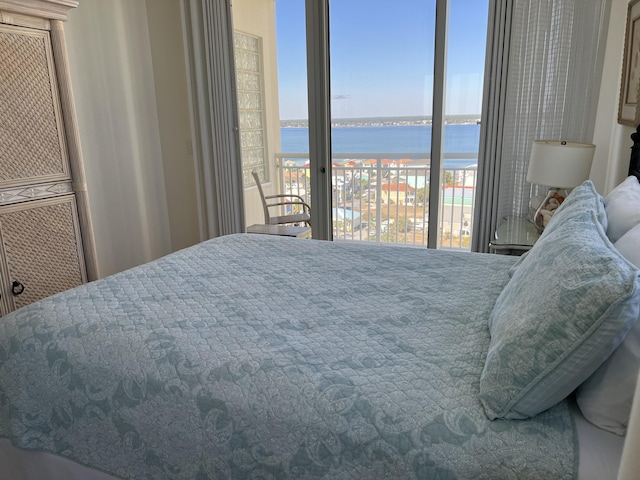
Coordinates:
<point>42,249</point>
<point>32,142</point>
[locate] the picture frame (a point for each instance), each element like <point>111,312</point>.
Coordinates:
<point>630,67</point>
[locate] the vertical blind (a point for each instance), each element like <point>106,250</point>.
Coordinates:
<point>542,79</point>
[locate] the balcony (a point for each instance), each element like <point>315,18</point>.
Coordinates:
<point>384,197</point>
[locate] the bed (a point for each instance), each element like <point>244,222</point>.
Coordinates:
<point>252,356</point>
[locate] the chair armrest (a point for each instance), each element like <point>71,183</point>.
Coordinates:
<point>283,195</point>
<point>300,201</point>
<point>277,204</point>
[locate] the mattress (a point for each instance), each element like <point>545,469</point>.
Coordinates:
<point>255,356</point>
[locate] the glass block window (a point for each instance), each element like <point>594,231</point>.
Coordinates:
<point>250,85</point>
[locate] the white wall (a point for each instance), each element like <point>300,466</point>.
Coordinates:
<point>611,161</point>
<point>140,199</point>
<point>257,17</point>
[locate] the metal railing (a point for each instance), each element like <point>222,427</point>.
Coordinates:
<point>384,197</point>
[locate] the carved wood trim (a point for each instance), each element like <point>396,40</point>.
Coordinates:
<point>25,193</point>
<point>634,160</point>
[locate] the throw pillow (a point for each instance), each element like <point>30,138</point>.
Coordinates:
<point>567,307</point>
<point>582,200</point>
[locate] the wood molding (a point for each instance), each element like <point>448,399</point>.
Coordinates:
<point>51,9</point>
<point>27,21</point>
<point>73,146</point>
<point>634,160</point>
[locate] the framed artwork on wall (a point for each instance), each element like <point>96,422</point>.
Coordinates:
<point>630,67</point>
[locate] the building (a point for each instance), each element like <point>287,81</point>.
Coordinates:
<point>398,192</point>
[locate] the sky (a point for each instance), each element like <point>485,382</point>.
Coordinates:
<point>382,57</point>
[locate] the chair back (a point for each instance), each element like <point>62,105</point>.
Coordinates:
<point>256,177</point>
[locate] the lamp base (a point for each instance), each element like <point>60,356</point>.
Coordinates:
<point>548,207</point>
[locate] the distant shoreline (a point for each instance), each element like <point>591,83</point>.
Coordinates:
<point>387,121</point>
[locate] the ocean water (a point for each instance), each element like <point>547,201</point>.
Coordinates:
<point>390,139</point>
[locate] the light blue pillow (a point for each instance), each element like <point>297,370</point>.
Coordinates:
<point>566,308</point>
<point>582,200</point>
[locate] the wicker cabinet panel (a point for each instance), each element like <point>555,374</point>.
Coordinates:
<point>32,143</point>
<point>41,249</point>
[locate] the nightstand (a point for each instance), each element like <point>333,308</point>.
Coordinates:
<point>514,236</point>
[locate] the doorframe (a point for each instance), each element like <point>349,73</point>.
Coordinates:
<point>319,98</point>
<point>437,120</point>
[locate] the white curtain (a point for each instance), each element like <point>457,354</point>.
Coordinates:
<point>209,44</point>
<point>542,79</point>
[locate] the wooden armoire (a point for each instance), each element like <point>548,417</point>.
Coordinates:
<point>46,239</point>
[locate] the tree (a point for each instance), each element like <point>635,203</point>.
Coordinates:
<point>448,178</point>
<point>422,195</point>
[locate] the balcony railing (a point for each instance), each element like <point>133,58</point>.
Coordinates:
<point>384,197</point>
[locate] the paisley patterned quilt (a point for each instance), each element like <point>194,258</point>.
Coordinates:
<point>261,357</point>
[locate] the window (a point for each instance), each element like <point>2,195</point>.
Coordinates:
<point>250,88</point>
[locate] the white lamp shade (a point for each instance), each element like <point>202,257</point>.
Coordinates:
<point>560,164</point>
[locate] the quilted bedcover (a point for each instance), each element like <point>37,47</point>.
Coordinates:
<point>251,356</point>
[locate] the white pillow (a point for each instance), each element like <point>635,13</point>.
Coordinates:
<point>629,245</point>
<point>605,398</point>
<point>623,208</point>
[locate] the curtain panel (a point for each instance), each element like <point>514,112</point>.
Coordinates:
<point>214,115</point>
<point>542,79</point>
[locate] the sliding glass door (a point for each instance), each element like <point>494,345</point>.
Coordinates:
<point>387,137</point>
<point>382,66</point>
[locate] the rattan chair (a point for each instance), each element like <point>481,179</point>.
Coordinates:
<point>300,208</point>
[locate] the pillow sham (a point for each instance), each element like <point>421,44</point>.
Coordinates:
<point>623,208</point>
<point>566,308</point>
<point>579,203</point>
<point>605,398</point>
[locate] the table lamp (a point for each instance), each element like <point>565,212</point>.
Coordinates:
<point>561,166</point>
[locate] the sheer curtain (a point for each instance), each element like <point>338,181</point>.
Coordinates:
<point>542,78</point>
